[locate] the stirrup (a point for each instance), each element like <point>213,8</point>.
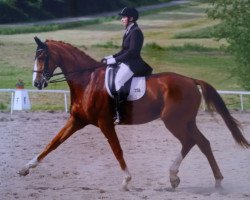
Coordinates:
<point>117,119</point>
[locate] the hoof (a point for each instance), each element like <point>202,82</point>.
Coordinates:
<point>125,183</point>
<point>24,172</point>
<point>117,121</point>
<point>218,184</point>
<point>125,188</point>
<point>175,182</point>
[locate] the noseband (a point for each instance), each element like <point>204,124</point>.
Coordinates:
<point>46,75</point>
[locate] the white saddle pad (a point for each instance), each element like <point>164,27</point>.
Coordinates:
<point>137,89</point>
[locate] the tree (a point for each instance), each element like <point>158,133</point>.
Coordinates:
<point>235,28</point>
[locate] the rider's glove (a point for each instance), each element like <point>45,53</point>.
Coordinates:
<point>111,61</point>
<point>107,57</point>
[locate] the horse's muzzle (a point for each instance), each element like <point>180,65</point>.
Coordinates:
<point>40,84</point>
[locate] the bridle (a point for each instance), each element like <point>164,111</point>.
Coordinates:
<point>46,75</point>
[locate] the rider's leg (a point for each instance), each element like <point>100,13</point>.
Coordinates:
<point>123,75</point>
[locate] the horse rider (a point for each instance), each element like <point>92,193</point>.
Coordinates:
<point>128,59</point>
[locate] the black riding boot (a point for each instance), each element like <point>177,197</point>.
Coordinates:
<point>119,100</point>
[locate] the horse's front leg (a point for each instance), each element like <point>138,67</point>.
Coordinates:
<point>71,127</point>
<point>110,133</point>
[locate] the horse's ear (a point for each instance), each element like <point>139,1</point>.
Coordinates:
<point>39,43</point>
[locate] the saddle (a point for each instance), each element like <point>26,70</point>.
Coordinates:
<point>134,88</point>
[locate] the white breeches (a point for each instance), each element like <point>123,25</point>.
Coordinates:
<point>123,75</point>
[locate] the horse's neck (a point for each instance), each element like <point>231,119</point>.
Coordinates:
<point>78,63</point>
<point>70,58</point>
<point>81,86</point>
<point>75,63</point>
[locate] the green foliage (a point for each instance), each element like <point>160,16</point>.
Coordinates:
<point>10,13</point>
<point>35,10</point>
<point>19,11</point>
<point>45,28</point>
<point>235,17</point>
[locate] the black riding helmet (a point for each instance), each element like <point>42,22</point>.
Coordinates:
<point>130,12</point>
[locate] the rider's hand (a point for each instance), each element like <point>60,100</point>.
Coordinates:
<point>111,61</point>
<point>107,57</point>
<point>104,61</point>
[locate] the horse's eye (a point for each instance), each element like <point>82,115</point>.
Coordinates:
<point>40,54</point>
<point>40,58</point>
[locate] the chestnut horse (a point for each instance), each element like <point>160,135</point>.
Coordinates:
<point>173,98</point>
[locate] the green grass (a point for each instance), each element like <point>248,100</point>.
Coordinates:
<point>10,74</point>
<point>186,47</point>
<point>3,106</point>
<point>47,101</point>
<point>212,65</point>
<point>172,43</point>
<point>107,45</point>
<point>202,33</point>
<point>207,32</point>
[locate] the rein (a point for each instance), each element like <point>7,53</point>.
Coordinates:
<point>46,75</point>
<point>62,79</point>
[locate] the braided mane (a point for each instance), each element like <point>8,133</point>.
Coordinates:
<point>74,50</point>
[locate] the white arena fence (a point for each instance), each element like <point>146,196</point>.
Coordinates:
<point>237,95</point>
<point>63,98</point>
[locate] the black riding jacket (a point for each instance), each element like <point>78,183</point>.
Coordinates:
<point>130,53</point>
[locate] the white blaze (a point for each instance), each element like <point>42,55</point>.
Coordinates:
<point>34,73</point>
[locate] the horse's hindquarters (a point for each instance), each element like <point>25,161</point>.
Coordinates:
<point>167,96</point>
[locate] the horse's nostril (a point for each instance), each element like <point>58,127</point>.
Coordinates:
<point>35,83</point>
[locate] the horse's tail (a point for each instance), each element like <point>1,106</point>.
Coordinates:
<point>214,102</point>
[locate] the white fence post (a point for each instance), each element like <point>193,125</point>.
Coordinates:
<point>11,102</point>
<point>241,102</point>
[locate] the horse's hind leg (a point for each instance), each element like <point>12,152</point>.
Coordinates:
<point>187,145</point>
<point>71,126</point>
<point>180,131</point>
<point>189,135</point>
<point>109,131</point>
<point>205,148</point>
